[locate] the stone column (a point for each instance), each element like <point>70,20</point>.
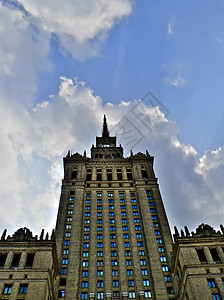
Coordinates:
<point>104,173</point>
<point>220,253</point>
<point>208,255</point>
<point>124,173</point>
<point>94,173</point>
<point>114,174</point>
<point>22,260</point>
<point>8,260</point>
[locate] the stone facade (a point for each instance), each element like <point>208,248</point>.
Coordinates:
<point>112,239</point>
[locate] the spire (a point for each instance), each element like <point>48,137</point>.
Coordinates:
<point>105,132</point>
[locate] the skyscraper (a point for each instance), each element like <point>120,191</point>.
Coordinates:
<point>112,234</point>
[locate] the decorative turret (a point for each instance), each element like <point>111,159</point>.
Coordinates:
<point>105,132</point>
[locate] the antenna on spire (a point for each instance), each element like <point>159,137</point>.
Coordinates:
<point>105,132</point>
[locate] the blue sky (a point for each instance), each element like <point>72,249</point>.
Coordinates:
<point>63,67</point>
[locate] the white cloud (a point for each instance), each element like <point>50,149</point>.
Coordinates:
<point>177,82</point>
<point>170,27</point>
<point>81,26</point>
<point>175,76</point>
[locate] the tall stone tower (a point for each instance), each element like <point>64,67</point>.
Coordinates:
<point>112,234</point>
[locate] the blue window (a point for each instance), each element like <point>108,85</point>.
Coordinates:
<point>132,295</point>
<point>162,258</point>
<point>124,221</point>
<point>84,296</point>
<point>149,197</point>
<point>151,204</point>
<point>100,273</point>
<point>61,294</point>
<point>111,214</point>
<point>167,278</point>
<point>112,228</point>
<point>99,195</point>
<point>113,253</point>
<point>155,225</point>
<point>85,254</point>
<point>131,283</point>
<point>142,262</point>
<point>69,219</point>
<point>66,251</point>
<point>115,283</point>
<point>121,194</point>
<point>216,296</point>
<point>100,283</point>
<point>65,261</point>
<point>99,221</point>
<point>110,194</point>
<point>63,271</point>
<point>114,272</point>
<point>88,195</point>
<point>70,212</point>
<point>157,232</point>
<point>111,201</point>
<point>87,201</point>
<point>99,245</point>
<point>134,206</point>
<point>126,244</point>
<point>123,213</point>
<point>99,263</point>
<point>100,253</point>
<point>68,234</point>
<point>129,272</point>
<point>152,210</point>
<point>148,192</point>
<point>99,207</point>
<point>136,220</point>
<point>132,194</point>
<point>99,228</point>
<point>145,282</point>
<point>128,262</point>
<point>154,217</point>
<point>99,236</point>
<point>133,200</point>
<point>127,253</point>
<point>159,241</point>
<point>126,236</point>
<point>99,295</point>
<point>161,249</point>
<point>85,245</point>
<point>111,207</point>
<point>85,273</point>
<point>125,228</point>
<point>211,283</point>
<point>84,284</point>
<point>67,243</point>
<point>99,200</point>
<point>86,228</point>
<point>112,221</point>
<point>122,201</point>
<point>114,263</point>
<point>99,214</point>
<point>123,207</point>
<point>141,252</point>
<point>87,221</point>
<point>71,199</point>
<point>113,245</point>
<point>87,207</point>
<point>113,236</point>
<point>138,235</point>
<point>87,214</point>
<point>71,205</point>
<point>140,244</point>
<point>135,213</point>
<point>165,268</point>
<point>85,263</point>
<point>137,228</point>
<point>148,294</point>
<point>23,288</point>
<point>144,272</point>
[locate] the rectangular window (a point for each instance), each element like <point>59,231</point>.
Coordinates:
<point>71,199</point>
<point>70,212</point>
<point>71,205</point>
<point>69,219</point>
<point>23,288</point>
<point>29,260</point>
<point>127,253</point>
<point>114,272</point>
<point>66,251</point>
<point>86,236</point>
<point>128,262</point>
<point>154,217</point>
<point>143,262</point>
<point>167,278</point>
<point>133,200</point>
<point>100,273</point>
<point>68,234</point>
<point>99,228</point>
<point>125,228</point>
<point>86,228</point>
<point>135,213</point>
<point>115,283</point>
<point>15,261</point>
<point>7,289</point>
<point>113,253</point>
<point>88,195</point>
<point>99,245</point>
<point>112,228</point>
<point>61,294</point>
<point>65,261</point>
<point>215,255</point>
<point>201,256</point>
<point>161,249</point>
<point>85,253</point>
<point>113,245</point>
<point>155,225</point>
<point>138,235</point>
<point>148,294</point>
<point>87,201</point>
<point>141,252</point>
<point>145,282</point>
<point>211,283</point>
<point>67,243</point>
<point>152,210</point>
<point>69,226</point>
<point>111,201</point>
<point>132,295</point>
<point>99,221</point>
<point>134,206</point>
<point>99,200</point>
<point>100,253</point>
<point>123,213</point>
<point>113,236</point>
<point>129,272</point>
<point>85,245</point>
<point>111,207</point>
<point>112,221</point>
<point>122,201</point>
<point>137,228</point>
<point>159,241</point>
<point>100,295</point>
<point>111,214</point>
<point>136,220</point>
<point>144,272</point>
<point>151,204</point>
<point>100,283</point>
<point>162,258</point>
<point>126,244</point>
<point>84,296</point>
<point>99,195</point>
<point>126,236</point>
<point>99,236</point>
<point>99,207</point>
<point>131,283</point>
<point>121,195</point>
<point>85,273</point>
<point>140,244</point>
<point>84,284</point>
<point>100,263</point>
<point>165,268</point>
<point>99,214</point>
<point>124,221</point>
<point>114,263</point>
<point>123,207</point>
<point>63,271</point>
<point>85,263</point>
<point>216,296</point>
<point>110,195</point>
